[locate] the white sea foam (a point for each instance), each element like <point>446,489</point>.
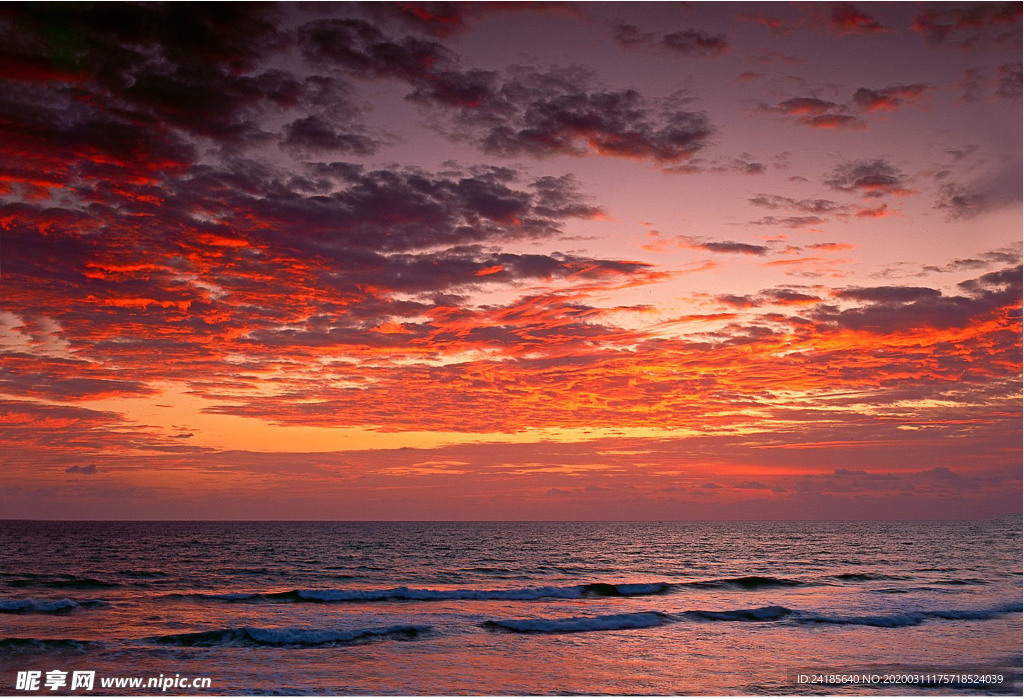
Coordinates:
<point>429,594</point>
<point>914,618</point>
<point>32,606</point>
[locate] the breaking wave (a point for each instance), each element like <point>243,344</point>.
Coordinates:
<point>60,582</point>
<point>642,620</point>
<point>759,614</point>
<point>858,577</point>
<point>747,582</point>
<point>32,606</point>
<point>291,636</point>
<point>607,622</point>
<point>912,618</point>
<point>428,594</point>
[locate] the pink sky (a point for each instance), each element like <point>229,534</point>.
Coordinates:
<point>510,261</point>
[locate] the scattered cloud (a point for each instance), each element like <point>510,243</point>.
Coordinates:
<point>959,202</point>
<point>826,114</point>
<point>789,221</point>
<point>692,43</point>
<point>971,25</point>
<point>846,18</point>
<point>1009,81</point>
<point>695,43</point>
<point>744,165</point>
<point>445,19</point>
<point>733,247</point>
<point>807,206</point>
<point>774,24</point>
<point>563,111</point>
<point>520,111</point>
<point>888,98</point>
<point>218,204</point>
<point>869,178</point>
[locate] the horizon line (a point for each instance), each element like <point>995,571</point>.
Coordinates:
<point>505,521</point>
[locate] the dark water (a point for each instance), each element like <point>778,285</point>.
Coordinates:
<point>513,608</point>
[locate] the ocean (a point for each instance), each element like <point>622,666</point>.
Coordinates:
<point>517,608</point>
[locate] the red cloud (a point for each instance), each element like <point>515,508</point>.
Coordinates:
<point>847,19</point>
<point>889,98</point>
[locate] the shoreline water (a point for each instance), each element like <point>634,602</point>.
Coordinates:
<point>533,608</point>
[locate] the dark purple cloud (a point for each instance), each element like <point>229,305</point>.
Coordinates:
<point>961,202</point>
<point>783,297</point>
<point>733,247</point>
<point>743,165</point>
<point>196,68</point>
<point>789,221</point>
<point>807,206</point>
<point>1008,278</point>
<point>1009,80</point>
<point>889,294</point>
<point>564,111</point>
<point>521,111</point>
<point>870,178</point>
<point>630,35</point>
<point>363,49</point>
<point>695,43</point>
<point>898,309</point>
<point>36,376</point>
<point>826,114</point>
<point>444,19</point>
<point>329,242</point>
<point>986,259</point>
<point>887,98</point>
<point>971,25</point>
<point>389,210</point>
<point>815,112</point>
<point>147,86</point>
<point>692,43</point>
<point>312,134</point>
<point>972,86</point>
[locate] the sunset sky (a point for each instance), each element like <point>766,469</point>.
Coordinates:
<point>510,261</point>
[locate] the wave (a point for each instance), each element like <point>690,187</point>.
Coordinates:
<point>143,574</point>
<point>291,636</point>
<point>906,590</point>
<point>42,644</point>
<point>428,594</point>
<point>747,582</point>
<point>32,606</point>
<point>858,577</point>
<point>896,620</point>
<point>607,622</point>
<point>59,582</point>
<point>784,615</point>
<point>912,618</point>
<point>759,614</point>
<point>246,571</point>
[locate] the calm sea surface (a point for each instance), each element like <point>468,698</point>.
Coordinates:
<point>513,608</point>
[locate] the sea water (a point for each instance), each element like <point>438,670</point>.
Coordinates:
<point>405,608</point>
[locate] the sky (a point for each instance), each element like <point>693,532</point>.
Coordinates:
<point>502,261</point>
